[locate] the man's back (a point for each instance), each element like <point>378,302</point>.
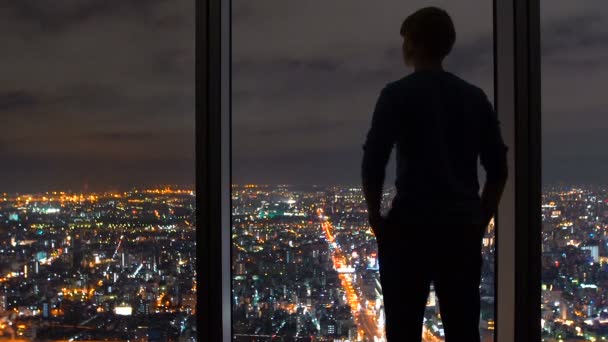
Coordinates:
<point>440,126</point>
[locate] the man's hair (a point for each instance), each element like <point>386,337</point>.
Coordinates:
<point>432,30</point>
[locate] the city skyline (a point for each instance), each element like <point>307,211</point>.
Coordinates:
<point>96,266</point>
<point>304,263</point>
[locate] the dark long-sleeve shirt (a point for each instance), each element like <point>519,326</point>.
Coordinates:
<point>441,126</point>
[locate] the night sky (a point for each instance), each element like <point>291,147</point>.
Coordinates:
<point>99,94</point>
<point>96,94</point>
<point>306,75</point>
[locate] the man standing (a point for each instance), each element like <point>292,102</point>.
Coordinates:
<point>441,126</point>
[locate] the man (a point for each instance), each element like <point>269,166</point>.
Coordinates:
<point>440,125</point>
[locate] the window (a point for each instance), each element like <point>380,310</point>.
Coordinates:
<point>304,261</point>
<point>518,234</point>
<point>97,211</point>
<point>575,201</point>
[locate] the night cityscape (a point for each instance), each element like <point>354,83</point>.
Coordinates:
<point>97,202</point>
<point>575,257</point>
<point>305,268</point>
<point>98,266</point>
<point>122,266</point>
<point>99,95</point>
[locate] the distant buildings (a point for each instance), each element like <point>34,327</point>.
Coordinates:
<point>98,266</point>
<point>298,271</point>
<point>575,241</point>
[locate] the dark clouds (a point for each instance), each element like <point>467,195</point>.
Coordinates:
<point>574,76</point>
<point>102,91</point>
<point>17,99</point>
<point>306,76</point>
<point>98,92</point>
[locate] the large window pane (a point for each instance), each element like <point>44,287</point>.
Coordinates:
<point>575,169</point>
<point>306,76</point>
<point>97,224</point>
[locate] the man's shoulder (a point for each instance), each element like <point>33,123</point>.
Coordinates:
<point>413,80</point>
<point>400,87</point>
<point>405,81</point>
<point>467,86</point>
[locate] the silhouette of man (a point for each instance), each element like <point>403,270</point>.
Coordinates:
<point>440,125</point>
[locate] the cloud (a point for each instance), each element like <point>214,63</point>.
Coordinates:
<point>73,68</point>
<point>574,72</point>
<point>16,99</point>
<point>57,17</point>
<point>306,77</point>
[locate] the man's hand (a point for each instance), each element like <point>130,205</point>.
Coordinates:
<point>377,222</point>
<point>486,218</point>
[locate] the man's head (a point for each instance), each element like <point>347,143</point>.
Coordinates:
<point>428,36</point>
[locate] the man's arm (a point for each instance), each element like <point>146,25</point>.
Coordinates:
<point>493,157</point>
<point>490,197</point>
<point>377,149</point>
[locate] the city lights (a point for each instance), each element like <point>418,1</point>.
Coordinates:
<point>316,275</point>
<point>91,261</point>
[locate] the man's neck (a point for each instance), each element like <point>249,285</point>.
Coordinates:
<point>428,67</point>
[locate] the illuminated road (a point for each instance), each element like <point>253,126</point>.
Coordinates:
<point>367,326</point>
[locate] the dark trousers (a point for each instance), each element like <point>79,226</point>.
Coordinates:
<point>413,256</point>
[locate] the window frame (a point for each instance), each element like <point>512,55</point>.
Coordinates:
<point>518,233</point>
<point>518,241</point>
<point>213,172</point>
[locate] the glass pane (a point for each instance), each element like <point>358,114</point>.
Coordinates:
<point>575,197</point>
<point>97,222</point>
<point>306,76</point>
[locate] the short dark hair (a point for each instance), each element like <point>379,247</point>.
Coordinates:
<point>431,29</point>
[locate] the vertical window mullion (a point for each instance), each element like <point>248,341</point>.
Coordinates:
<point>505,232</point>
<point>519,226</point>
